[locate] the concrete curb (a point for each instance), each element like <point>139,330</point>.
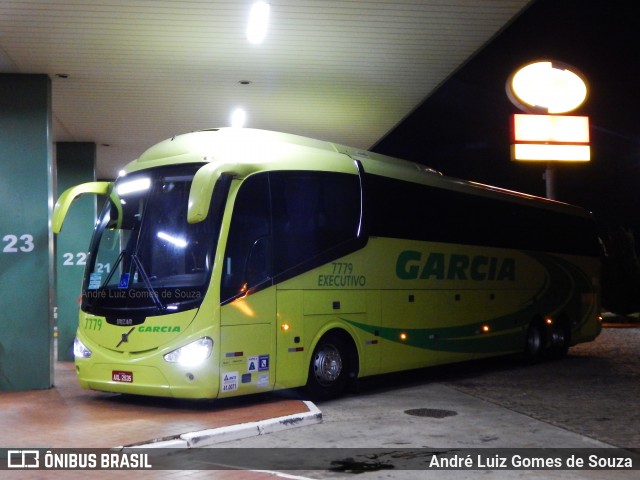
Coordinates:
<point>213,436</point>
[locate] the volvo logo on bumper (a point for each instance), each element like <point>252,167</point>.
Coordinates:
<point>125,337</point>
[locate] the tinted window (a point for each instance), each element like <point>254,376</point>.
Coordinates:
<point>287,222</point>
<point>247,258</point>
<point>313,212</point>
<point>399,209</point>
<point>145,255</point>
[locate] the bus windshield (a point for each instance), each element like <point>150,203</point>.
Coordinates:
<point>144,257</point>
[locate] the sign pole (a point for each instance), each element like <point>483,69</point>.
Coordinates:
<point>550,181</point>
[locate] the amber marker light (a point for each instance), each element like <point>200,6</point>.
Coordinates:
<point>548,321</point>
<point>285,327</point>
<point>486,329</point>
<point>403,336</point>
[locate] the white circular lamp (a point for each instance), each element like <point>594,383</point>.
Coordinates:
<point>547,87</point>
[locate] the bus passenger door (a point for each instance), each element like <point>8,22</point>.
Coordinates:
<point>247,344</point>
<point>248,312</point>
<point>291,361</point>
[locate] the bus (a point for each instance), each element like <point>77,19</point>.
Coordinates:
<point>236,261</point>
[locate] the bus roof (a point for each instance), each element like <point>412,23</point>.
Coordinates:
<point>268,150</point>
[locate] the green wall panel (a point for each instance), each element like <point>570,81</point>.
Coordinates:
<point>75,163</point>
<point>26,270</point>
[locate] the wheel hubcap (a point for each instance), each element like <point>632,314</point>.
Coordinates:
<point>327,365</point>
<point>557,338</point>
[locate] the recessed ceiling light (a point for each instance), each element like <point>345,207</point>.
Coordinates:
<point>238,118</point>
<point>258,22</point>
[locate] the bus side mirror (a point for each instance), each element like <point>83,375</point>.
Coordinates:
<point>68,196</point>
<point>201,191</point>
<point>203,184</point>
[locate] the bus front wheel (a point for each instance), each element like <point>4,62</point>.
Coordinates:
<point>329,367</point>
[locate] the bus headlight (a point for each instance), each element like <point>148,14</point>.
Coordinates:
<point>80,350</point>
<point>192,354</point>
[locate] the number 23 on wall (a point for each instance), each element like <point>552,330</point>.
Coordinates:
<point>18,243</point>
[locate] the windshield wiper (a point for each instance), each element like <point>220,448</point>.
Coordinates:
<point>147,283</point>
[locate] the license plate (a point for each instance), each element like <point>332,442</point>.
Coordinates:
<point>120,376</point>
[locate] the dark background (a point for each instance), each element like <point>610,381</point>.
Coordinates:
<point>463,129</point>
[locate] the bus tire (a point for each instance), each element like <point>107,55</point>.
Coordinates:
<point>329,367</point>
<point>535,342</point>
<point>560,339</point>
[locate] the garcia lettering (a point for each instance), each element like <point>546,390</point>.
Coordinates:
<point>412,265</point>
<point>158,329</point>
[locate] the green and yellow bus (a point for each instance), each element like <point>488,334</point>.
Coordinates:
<point>235,261</point>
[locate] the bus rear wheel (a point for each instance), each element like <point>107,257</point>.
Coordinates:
<point>560,338</point>
<point>535,344</point>
<point>329,367</point>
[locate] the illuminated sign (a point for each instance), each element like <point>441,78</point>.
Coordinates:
<point>550,153</point>
<point>550,128</point>
<point>548,138</point>
<point>547,87</point>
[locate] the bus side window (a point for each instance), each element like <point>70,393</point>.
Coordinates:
<point>313,212</point>
<point>247,258</point>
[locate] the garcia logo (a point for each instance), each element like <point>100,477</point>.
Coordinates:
<point>439,266</point>
<point>158,328</point>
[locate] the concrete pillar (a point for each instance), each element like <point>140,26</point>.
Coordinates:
<point>75,163</point>
<point>26,244</point>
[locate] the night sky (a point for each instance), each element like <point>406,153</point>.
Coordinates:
<point>463,128</point>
